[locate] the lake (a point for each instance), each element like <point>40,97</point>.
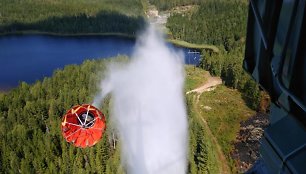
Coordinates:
<point>32,57</point>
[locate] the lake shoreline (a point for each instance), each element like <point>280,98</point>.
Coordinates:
<point>33,32</point>
<point>185,44</point>
<point>176,42</point>
<point>49,52</point>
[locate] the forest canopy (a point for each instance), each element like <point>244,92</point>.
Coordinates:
<point>167,5</point>
<point>30,118</point>
<point>221,23</point>
<point>72,16</point>
<point>30,135</point>
<point>30,138</point>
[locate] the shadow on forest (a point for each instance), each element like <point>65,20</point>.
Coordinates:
<point>102,22</point>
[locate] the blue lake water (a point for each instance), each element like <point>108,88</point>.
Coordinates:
<point>31,57</point>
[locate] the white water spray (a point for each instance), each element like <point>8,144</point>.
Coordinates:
<point>148,107</point>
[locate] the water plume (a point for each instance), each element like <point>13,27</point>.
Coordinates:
<point>148,107</point>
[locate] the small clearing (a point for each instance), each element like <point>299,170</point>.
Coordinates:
<point>158,19</point>
<point>209,85</point>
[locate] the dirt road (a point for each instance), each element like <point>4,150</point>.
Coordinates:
<point>210,84</point>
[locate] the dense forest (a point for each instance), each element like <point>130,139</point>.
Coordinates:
<point>30,137</point>
<point>30,115</point>
<point>221,23</point>
<point>214,22</point>
<point>167,5</point>
<point>72,16</point>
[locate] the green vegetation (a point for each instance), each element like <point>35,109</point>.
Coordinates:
<point>181,43</point>
<point>221,23</point>
<point>30,136</point>
<point>195,77</point>
<point>224,109</point>
<point>228,65</point>
<point>71,16</point>
<point>166,4</point>
<point>202,152</point>
<point>31,141</point>
<point>203,156</point>
<point>30,115</point>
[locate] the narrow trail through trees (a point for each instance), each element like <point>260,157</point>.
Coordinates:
<point>210,84</point>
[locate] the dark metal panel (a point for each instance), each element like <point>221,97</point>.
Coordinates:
<point>275,57</point>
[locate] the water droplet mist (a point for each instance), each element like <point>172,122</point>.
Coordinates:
<point>148,107</point>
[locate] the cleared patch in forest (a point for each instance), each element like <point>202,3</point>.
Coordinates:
<point>195,77</point>
<point>228,109</point>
